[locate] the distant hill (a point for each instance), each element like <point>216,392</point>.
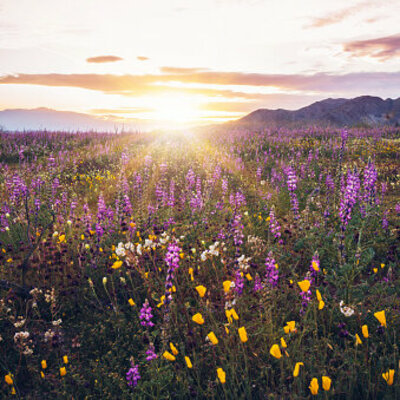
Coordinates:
<point>364,110</point>
<point>45,118</point>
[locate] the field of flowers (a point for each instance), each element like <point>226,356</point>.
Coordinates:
<point>239,265</point>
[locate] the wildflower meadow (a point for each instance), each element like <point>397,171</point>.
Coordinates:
<point>235,265</point>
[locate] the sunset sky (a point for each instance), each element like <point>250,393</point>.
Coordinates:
<point>194,62</point>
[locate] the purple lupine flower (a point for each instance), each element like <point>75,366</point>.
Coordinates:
<point>370,178</point>
<point>257,283</point>
<point>145,315</point>
<point>292,186</point>
<point>272,273</point>
<point>133,376</point>
<point>273,224</point>
<point>239,282</point>
<point>314,266</point>
<point>397,208</point>
<point>349,198</point>
<point>385,222</point>
<point>151,354</point>
<point>172,261</point>
<point>101,209</point>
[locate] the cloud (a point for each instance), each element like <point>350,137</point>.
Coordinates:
<point>103,59</point>
<point>142,58</point>
<point>231,85</point>
<point>338,16</point>
<point>382,48</point>
<point>180,70</point>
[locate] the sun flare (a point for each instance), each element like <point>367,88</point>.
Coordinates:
<point>175,109</point>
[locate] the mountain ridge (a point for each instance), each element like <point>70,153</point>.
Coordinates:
<point>365,110</point>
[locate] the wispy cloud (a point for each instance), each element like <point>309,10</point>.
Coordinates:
<point>338,16</point>
<point>382,48</point>
<point>215,83</point>
<point>103,59</point>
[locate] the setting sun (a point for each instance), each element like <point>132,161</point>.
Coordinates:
<point>175,109</point>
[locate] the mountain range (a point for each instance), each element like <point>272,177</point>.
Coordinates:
<point>360,111</point>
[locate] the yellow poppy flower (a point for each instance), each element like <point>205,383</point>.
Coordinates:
<point>9,380</point>
<point>319,297</point>
<point>388,376</point>
<point>201,290</point>
<point>43,364</point>
<point>63,371</point>
<point>65,359</point>
<point>61,238</point>
<point>42,374</point>
<point>173,349</point>
<point>188,362</point>
<point>234,314</point>
<point>380,316</point>
<point>249,277</point>
<point>283,343</point>
<point>314,386</point>
<point>290,326</point>
<point>304,285</point>
<point>275,351</point>
<point>326,383</point>
<point>131,302</point>
<point>168,356</point>
<point>117,264</point>
<point>213,338</point>
<point>321,305</point>
<point>198,318</point>
<point>243,334</point>
<point>296,370</point>
<point>221,375</point>
<point>13,390</point>
<point>315,266</point>
<point>364,330</point>
<point>358,340</point>
<point>228,316</point>
<point>227,286</point>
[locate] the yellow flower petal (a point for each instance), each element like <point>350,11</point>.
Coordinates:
<point>63,371</point>
<point>213,338</point>
<point>304,285</point>
<point>364,330</point>
<point>326,383</point>
<point>243,334</point>
<point>188,362</point>
<point>381,317</point>
<point>227,286</point>
<point>388,376</point>
<point>201,290</point>
<point>296,370</point>
<point>314,386</point>
<point>117,264</point>
<point>173,349</point>
<point>358,340</point>
<point>198,318</point>
<point>168,356</point>
<point>275,351</point>
<point>221,375</point>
